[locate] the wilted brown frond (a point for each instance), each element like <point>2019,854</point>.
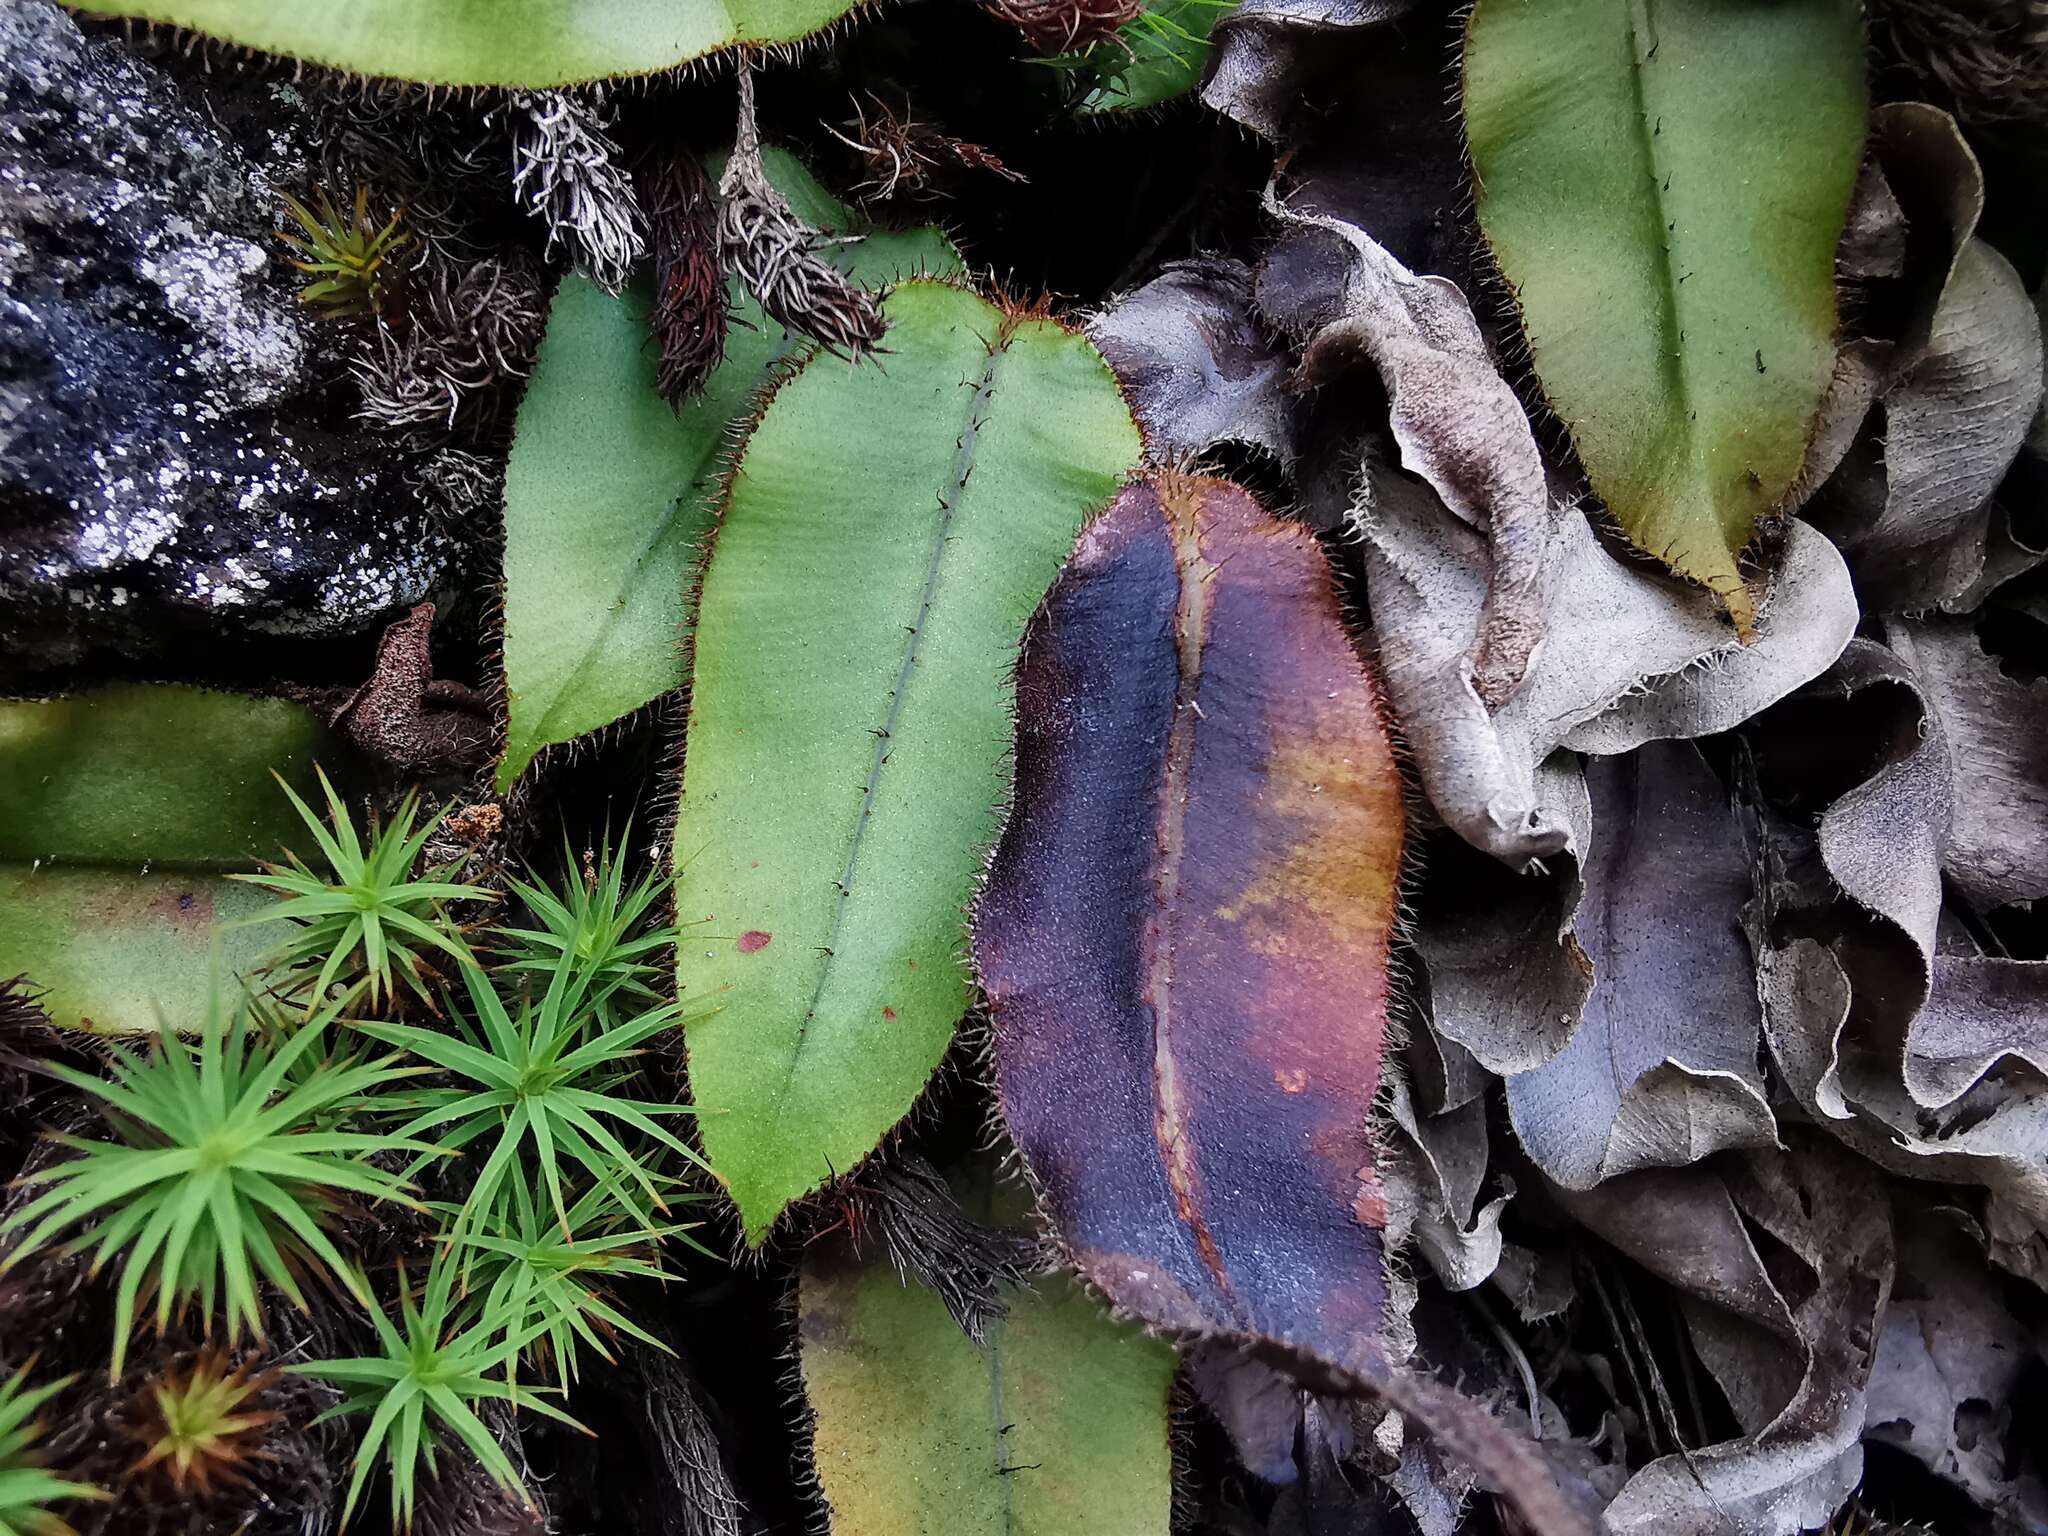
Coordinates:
<point>689,284</point>
<point>774,252</point>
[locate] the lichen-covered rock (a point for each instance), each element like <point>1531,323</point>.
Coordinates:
<point>170,460</point>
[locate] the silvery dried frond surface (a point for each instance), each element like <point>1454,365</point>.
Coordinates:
<point>775,254</point>
<point>566,172</point>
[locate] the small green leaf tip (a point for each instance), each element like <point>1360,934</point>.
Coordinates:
<point>372,919</point>
<point>344,256</point>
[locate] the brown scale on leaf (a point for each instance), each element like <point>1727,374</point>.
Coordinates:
<point>406,717</point>
<point>689,284</point>
<point>1066,26</point>
<point>774,253</point>
<point>904,157</point>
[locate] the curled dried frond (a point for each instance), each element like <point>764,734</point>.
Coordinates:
<point>346,254</point>
<point>689,299</point>
<point>904,157</point>
<point>1065,26</point>
<point>775,253</point>
<point>440,159</point>
<point>566,171</point>
<point>468,331</point>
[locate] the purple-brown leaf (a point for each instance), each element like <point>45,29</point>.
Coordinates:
<point>1185,934</point>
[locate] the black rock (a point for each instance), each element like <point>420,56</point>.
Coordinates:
<point>172,461</point>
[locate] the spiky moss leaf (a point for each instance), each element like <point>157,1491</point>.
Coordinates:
<point>529,44</point>
<point>889,531</point>
<point>119,812</point>
<point>609,494</point>
<point>1058,1428</point>
<point>1159,56</point>
<point>1663,183</point>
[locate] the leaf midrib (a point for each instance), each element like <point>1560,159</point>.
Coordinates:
<point>1181,512</point>
<point>839,257</point>
<point>949,503</point>
<point>1000,1446</point>
<point>1671,353</point>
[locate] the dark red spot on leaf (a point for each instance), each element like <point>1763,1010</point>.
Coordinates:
<point>754,939</point>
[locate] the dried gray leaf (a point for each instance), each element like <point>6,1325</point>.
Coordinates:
<point>1372,145</point>
<point>1662,1070</point>
<point>1948,1364</point>
<point>1260,1408</point>
<point>1996,850</point>
<point>1648,658</point>
<point>1264,49</point>
<point>1932,1026</point>
<point>1458,426</point>
<point>1683,1225</point>
<point>1499,971</point>
<point>1953,422</point>
<point>1442,1073</point>
<point>1982,1013</point>
<point>1796,1470</point>
<point>1335,1497</point>
<point>1432,1187</point>
<point>1537,1282</point>
<point>1881,840</point>
<point>2037,434</point>
<point>1956,392</point>
<point>2001,1148</point>
<point>1196,365</point>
